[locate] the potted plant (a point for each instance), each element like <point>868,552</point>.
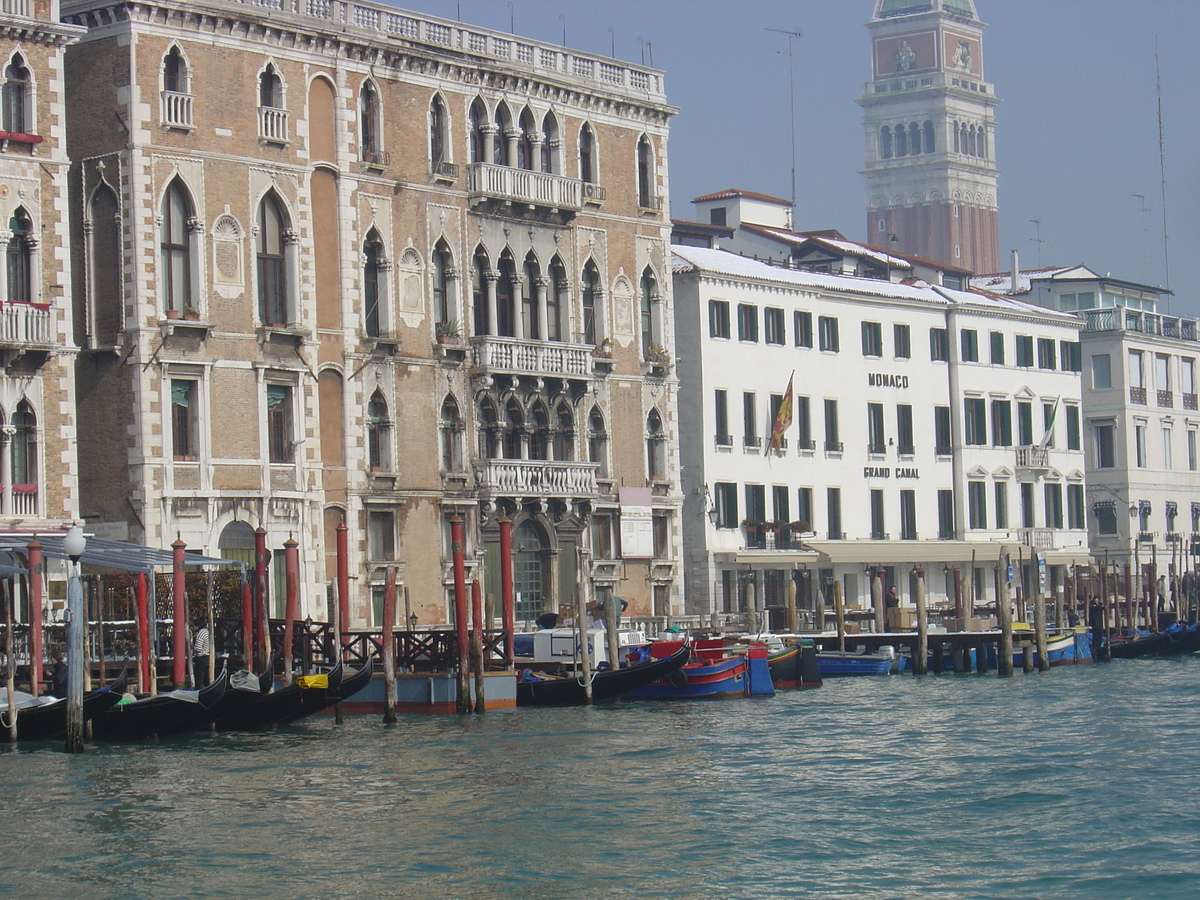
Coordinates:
<point>603,349</point>
<point>190,312</point>
<point>447,332</point>
<point>657,356</point>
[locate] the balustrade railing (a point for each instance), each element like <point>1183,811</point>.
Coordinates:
<point>176,108</point>
<point>1033,457</point>
<point>24,324</point>
<point>536,478</point>
<point>273,124</point>
<point>521,355</point>
<point>524,186</point>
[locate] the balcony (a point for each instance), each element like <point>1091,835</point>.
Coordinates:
<point>522,187</point>
<point>1037,538</point>
<point>1166,399</point>
<point>1189,401</point>
<point>176,109</point>
<point>25,326</point>
<point>834,446</point>
<point>273,124</point>
<point>1137,395</point>
<point>1035,459</point>
<point>522,356</point>
<point>1143,322</point>
<point>535,478</point>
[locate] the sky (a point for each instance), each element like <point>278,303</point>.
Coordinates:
<point>1077,129</point>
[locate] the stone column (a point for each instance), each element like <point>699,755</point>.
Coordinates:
<point>492,277</point>
<point>539,306</point>
<point>6,472</point>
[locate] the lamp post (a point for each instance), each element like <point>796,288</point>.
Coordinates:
<point>74,544</point>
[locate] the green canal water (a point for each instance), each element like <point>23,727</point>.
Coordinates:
<point>1080,782</point>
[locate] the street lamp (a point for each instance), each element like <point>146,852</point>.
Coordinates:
<point>74,543</point>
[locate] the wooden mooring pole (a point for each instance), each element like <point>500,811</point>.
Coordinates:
<point>1004,653</point>
<point>839,610</point>
<point>388,646</point>
<point>921,657</point>
<point>477,643</point>
<point>10,682</point>
<point>460,613</point>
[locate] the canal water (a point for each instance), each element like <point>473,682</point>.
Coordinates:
<point>1080,782</point>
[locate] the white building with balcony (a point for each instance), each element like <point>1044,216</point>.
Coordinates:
<point>930,428</point>
<point>1140,414</point>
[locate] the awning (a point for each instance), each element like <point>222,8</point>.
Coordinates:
<point>863,553</point>
<point>108,554</point>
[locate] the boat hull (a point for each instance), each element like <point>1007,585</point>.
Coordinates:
<point>48,722</point>
<point>607,684</point>
<point>835,664</point>
<point>703,680</point>
<point>164,715</point>
<point>1176,641</point>
<point>795,667</point>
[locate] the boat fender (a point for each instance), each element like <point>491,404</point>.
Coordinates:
<point>678,679</point>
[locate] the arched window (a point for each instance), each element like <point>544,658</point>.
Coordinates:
<point>590,298</point>
<point>175,255</point>
<point>551,145</point>
<point>958,137</point>
<point>437,132</point>
<point>656,447</point>
<point>369,114</point>
<point>480,269</point>
<point>649,296</point>
<point>598,442</point>
<point>489,429</point>
<point>928,145</point>
<point>20,257</point>
<point>104,264</point>
<point>270,88</point>
<point>273,287</point>
<point>564,433</point>
<point>982,143</point>
<point>505,296</point>
<point>539,432</point>
<point>530,313</point>
<point>527,142</point>
<point>556,300</point>
<point>24,446</point>
<point>443,311</point>
<point>237,543</point>
<point>451,428</point>
<point>514,429</point>
<point>645,173</point>
<point>175,73</point>
<point>379,428</point>
<point>914,139</point>
<point>15,95</point>
<point>503,125</point>
<point>587,155</point>
<point>885,142</point>
<point>374,284</point>
<point>479,132</point>
<point>901,136</point>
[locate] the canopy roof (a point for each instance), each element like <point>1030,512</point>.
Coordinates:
<point>107,554</point>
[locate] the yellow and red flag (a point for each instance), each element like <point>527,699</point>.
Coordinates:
<point>783,420</point>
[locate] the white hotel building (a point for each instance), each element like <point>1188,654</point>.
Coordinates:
<point>931,426</point>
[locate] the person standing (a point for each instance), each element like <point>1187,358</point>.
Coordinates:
<point>201,649</point>
<point>58,677</point>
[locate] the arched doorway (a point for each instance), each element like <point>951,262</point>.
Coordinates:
<point>529,582</point>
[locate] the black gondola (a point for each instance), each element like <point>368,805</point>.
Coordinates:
<point>297,701</point>
<point>1176,640</point>
<point>607,684</point>
<point>174,712</point>
<point>41,721</point>
<point>244,695</point>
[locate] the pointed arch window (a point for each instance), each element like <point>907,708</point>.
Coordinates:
<point>514,429</point>
<point>443,274</point>
<point>539,432</point>
<point>501,154</point>
<point>369,113</point>
<point>505,297</point>
<point>590,299</point>
<point>564,434</point>
<point>175,250</point>
<point>527,142</point>
<point>176,96</point>
<point>15,96</point>
<point>587,155</point>
<point>273,283</point>
<point>489,429</point>
<point>530,290</point>
<point>379,430</point>
<point>451,428</point>
<point>175,74</point>
<point>24,448</point>
<point>438,144</point>
<point>20,257</point>
<point>374,285</point>
<point>270,88</point>
<point>104,265</point>
<point>272,117</point>
<point>480,301</point>
<point>645,174</point>
<point>556,300</point>
<point>598,442</point>
<point>479,132</point>
<point>551,145</point>
<point>648,311</point>
<point>656,447</point>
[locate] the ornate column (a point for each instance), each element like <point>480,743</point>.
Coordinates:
<point>512,137</point>
<point>539,305</point>
<point>517,290</point>
<point>492,277</point>
<point>6,472</point>
<point>5,239</point>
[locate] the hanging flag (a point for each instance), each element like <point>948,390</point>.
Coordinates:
<point>1049,435</point>
<point>783,420</point>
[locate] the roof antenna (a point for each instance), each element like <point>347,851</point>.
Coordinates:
<point>1037,223</point>
<point>792,104</point>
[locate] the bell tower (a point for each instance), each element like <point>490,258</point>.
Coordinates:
<point>929,121</point>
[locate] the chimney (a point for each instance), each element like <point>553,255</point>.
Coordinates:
<point>1016,274</point>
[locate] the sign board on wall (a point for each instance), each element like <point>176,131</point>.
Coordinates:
<point>637,523</point>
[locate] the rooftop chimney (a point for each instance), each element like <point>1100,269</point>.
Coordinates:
<point>1016,274</point>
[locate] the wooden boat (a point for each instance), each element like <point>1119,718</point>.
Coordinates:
<point>838,664</point>
<point>308,695</point>
<point>173,712</point>
<point>352,684</point>
<point>45,718</point>
<point>713,673</point>
<point>796,666</point>
<point>607,684</point>
<point>245,692</point>
<point>1175,640</point>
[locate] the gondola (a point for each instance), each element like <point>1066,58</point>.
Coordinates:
<point>45,718</point>
<point>246,692</point>
<point>174,712</point>
<point>295,701</point>
<point>607,684</point>
<point>1175,640</point>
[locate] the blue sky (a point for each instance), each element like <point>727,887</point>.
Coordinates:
<point>1076,134</point>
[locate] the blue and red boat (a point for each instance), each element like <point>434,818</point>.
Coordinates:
<point>714,673</point>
